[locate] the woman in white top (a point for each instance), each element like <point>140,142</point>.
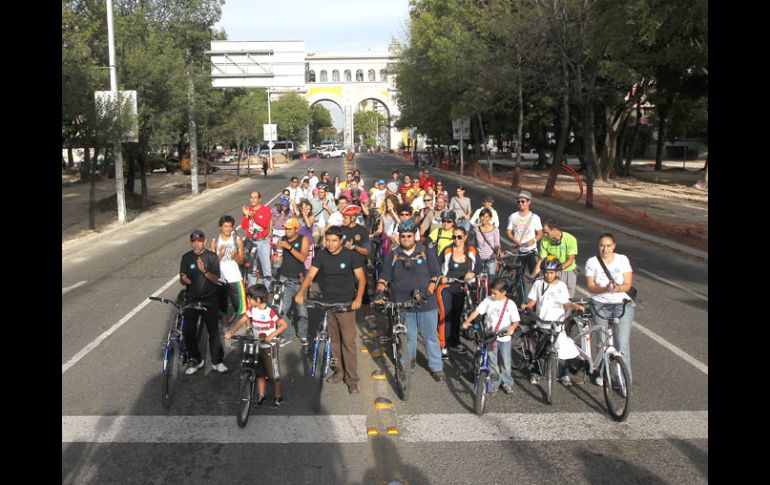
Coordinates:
<point>388,223</point>
<point>607,294</point>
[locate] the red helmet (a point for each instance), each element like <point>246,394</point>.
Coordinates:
<point>351,210</point>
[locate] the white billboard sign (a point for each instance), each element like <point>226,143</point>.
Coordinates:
<point>269,132</point>
<point>461,128</point>
<point>105,99</point>
<point>257,64</point>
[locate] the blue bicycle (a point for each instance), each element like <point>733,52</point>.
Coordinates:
<point>482,383</point>
<point>174,350</point>
<point>322,359</point>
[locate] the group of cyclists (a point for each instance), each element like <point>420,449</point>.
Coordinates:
<point>398,240</point>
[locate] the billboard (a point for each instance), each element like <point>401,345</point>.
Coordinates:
<point>257,64</point>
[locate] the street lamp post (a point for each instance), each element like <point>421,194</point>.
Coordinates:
<point>117,153</point>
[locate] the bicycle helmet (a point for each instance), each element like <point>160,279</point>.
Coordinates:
<point>351,210</point>
<point>550,263</point>
<point>322,186</point>
<point>407,226</point>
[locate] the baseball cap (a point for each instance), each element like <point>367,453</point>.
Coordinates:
<point>489,198</point>
<point>525,194</point>
<point>381,181</point>
<point>292,222</point>
<point>311,169</point>
<point>197,234</point>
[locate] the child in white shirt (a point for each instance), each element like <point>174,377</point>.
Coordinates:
<point>501,314</point>
<point>551,297</point>
<point>262,321</point>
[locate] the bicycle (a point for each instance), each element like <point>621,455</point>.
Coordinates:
<point>482,384</point>
<point>322,359</point>
<point>250,367</point>
<point>175,352</point>
<point>607,361</point>
<point>402,360</point>
<point>513,270</point>
<point>535,345</point>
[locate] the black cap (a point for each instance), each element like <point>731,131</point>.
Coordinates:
<point>448,215</point>
<point>489,198</point>
<point>197,234</point>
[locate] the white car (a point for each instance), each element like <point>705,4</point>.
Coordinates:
<point>330,152</point>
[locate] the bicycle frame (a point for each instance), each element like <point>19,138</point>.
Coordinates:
<point>605,350</point>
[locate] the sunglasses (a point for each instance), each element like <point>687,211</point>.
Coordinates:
<point>427,200</point>
<point>522,201</point>
<point>457,237</point>
<point>447,220</point>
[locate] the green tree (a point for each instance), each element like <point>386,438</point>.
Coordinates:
<point>292,115</point>
<point>321,124</point>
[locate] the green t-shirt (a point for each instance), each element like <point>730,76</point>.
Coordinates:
<point>443,240</point>
<point>567,247</point>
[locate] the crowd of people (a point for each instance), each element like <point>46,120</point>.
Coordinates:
<point>417,239</point>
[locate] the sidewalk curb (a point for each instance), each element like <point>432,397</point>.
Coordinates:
<point>90,238</point>
<point>614,226</point>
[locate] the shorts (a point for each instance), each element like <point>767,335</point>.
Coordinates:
<point>268,358</point>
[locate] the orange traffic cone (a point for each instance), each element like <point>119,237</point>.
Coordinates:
<point>304,156</point>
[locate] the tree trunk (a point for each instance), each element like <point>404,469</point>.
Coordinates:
<point>92,191</point>
<point>663,112</point>
<point>70,158</point>
<point>635,141</point>
<point>561,142</point>
<point>519,130</point>
<point>484,144</point>
<point>143,179</point>
<point>238,163</point>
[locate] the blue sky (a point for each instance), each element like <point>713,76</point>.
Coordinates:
<point>325,26</point>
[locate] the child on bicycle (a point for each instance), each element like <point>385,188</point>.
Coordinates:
<point>551,296</point>
<point>501,314</point>
<point>262,321</point>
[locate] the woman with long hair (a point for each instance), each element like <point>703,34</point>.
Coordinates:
<point>388,223</point>
<point>306,223</point>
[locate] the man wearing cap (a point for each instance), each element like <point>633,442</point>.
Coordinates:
<point>257,221</point>
<point>563,245</point>
<point>313,179</point>
<point>199,273</point>
<point>487,204</point>
<point>525,229</point>
<point>295,250</point>
<point>431,219</point>
<point>342,280</point>
<point>412,267</point>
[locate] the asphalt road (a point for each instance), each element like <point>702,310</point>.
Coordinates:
<point>114,429</point>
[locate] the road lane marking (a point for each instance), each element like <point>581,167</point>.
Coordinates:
<point>70,288</point>
<point>88,348</point>
<point>673,348</point>
<point>214,429</point>
<point>416,428</point>
<point>671,283</point>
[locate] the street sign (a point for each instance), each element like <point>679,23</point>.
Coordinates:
<point>270,145</point>
<point>269,132</point>
<point>461,128</point>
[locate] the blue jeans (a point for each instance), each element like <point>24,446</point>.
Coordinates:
<point>492,269</point>
<point>263,255</point>
<point>602,312</point>
<point>500,374</point>
<point>288,304</point>
<point>427,324</point>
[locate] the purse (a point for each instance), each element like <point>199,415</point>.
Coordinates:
<point>632,293</point>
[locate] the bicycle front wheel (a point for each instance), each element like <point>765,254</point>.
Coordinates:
<point>402,369</point>
<point>480,396</point>
<point>247,391</point>
<point>616,389</point>
<point>550,370</point>
<point>172,361</point>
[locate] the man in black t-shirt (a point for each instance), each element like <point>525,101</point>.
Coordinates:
<point>339,269</point>
<point>295,250</point>
<point>356,238</point>
<point>199,272</point>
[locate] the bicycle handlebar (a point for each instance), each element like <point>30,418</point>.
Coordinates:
<point>334,307</point>
<point>194,305</point>
<point>543,324</point>
<point>403,304</point>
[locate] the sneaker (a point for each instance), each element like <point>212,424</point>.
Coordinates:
<point>507,388</point>
<point>353,388</point>
<point>565,381</point>
<point>261,400</point>
<point>445,354</point>
<point>277,402</point>
<point>599,381</point>
<point>438,376</point>
<point>303,341</point>
<point>534,378</point>
<point>194,366</point>
<point>285,341</point>
<point>221,368</point>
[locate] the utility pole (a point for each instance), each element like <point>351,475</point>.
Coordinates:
<point>193,133</point>
<point>117,153</point>
<point>270,122</point>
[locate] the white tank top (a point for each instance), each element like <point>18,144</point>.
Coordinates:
<point>228,267</point>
